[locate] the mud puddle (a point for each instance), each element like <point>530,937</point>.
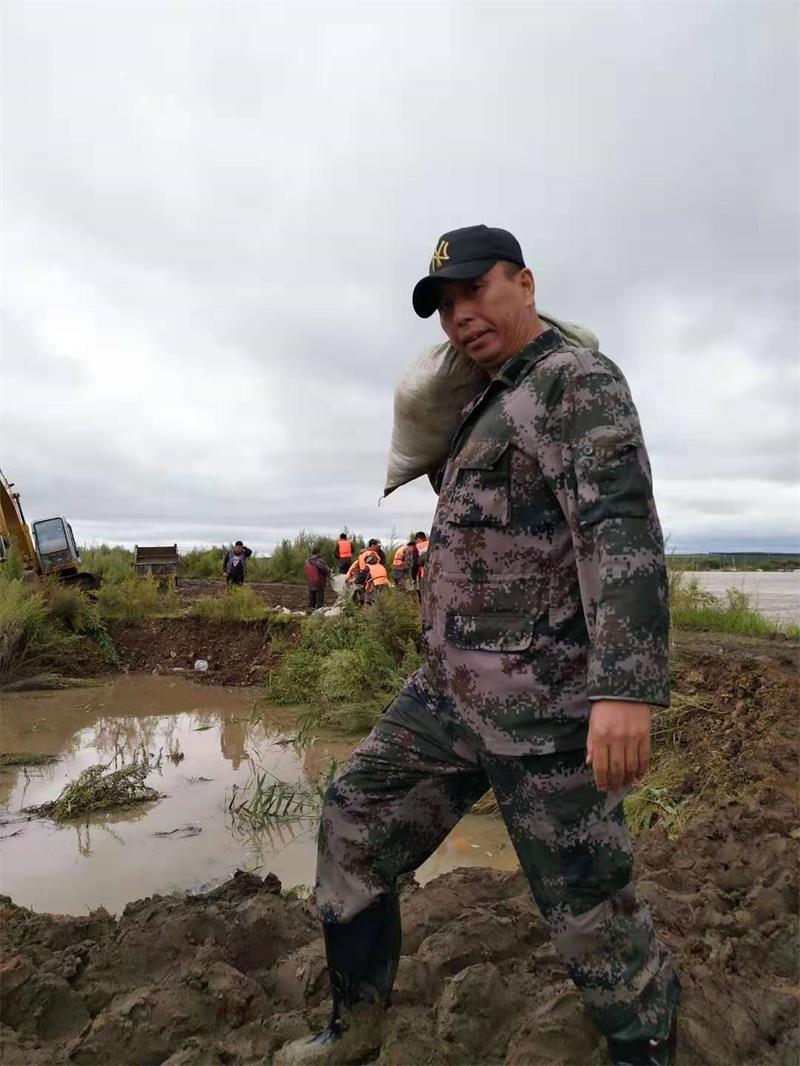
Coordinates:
<point>186,840</point>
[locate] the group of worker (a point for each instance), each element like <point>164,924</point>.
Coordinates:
<point>366,572</point>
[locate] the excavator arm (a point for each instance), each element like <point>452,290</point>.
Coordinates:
<point>13,528</point>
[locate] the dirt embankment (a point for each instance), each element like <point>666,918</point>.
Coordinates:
<point>229,976</point>
<point>237,653</point>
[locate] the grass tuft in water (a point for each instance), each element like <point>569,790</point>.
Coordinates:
<point>265,800</point>
<point>99,789</point>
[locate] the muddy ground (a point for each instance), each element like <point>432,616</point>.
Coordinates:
<point>295,597</point>
<point>228,976</point>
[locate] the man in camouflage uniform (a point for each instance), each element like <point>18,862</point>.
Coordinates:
<point>545,631</point>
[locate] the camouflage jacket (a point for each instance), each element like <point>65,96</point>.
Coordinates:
<point>546,586</point>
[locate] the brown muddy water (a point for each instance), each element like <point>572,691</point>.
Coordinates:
<point>774,594</point>
<point>110,858</point>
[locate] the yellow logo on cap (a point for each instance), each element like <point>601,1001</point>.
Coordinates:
<point>440,255</point>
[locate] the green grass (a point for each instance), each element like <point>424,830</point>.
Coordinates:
<point>238,604</point>
<point>40,625</point>
<point>265,800</point>
<point>135,598</point>
<point>345,669</point>
<point>693,607</point>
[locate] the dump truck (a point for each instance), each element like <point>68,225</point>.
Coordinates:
<point>160,562</point>
<point>45,547</point>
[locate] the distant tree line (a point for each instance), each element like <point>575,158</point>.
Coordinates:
<point>735,561</point>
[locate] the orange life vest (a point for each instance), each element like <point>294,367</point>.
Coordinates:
<point>358,564</point>
<point>345,549</point>
<point>399,560</point>
<point>377,575</point>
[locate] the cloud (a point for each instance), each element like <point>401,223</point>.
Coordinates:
<point>214,216</point>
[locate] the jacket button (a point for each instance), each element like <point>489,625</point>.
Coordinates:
<point>587,449</point>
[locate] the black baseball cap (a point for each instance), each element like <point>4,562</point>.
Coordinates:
<point>462,254</point>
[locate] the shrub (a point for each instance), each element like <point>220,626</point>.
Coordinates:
<point>286,561</point>
<point>202,563</point>
<point>393,620</point>
<point>296,679</point>
<point>348,667</point>
<point>135,598</point>
<point>110,563</point>
<point>29,641</point>
<point>39,625</point>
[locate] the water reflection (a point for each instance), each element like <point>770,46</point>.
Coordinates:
<point>115,856</point>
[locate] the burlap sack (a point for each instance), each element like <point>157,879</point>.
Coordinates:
<point>430,398</point>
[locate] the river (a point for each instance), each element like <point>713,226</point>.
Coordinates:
<point>775,594</point>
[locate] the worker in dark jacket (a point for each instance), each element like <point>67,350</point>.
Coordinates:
<point>316,571</point>
<point>402,564</point>
<point>545,639</point>
<point>234,565</point>
<point>375,546</point>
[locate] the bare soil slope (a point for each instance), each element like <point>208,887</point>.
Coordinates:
<point>237,653</point>
<point>228,976</point>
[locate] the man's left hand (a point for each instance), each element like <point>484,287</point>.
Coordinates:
<point>618,746</point>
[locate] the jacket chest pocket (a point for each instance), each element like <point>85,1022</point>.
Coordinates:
<point>479,492</point>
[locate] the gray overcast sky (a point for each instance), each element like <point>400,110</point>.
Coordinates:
<point>214,213</point>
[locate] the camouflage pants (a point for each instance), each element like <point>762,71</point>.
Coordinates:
<point>415,776</point>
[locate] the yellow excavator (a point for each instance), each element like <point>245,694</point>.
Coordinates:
<point>46,547</point>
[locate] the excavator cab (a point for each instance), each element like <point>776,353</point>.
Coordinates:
<point>55,546</point>
<point>47,547</point>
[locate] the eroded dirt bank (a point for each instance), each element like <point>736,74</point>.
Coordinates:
<point>228,976</point>
<point>237,653</point>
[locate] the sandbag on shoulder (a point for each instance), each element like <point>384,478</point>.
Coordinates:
<point>429,401</point>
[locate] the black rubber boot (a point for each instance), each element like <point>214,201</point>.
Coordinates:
<point>362,963</point>
<point>646,1052</point>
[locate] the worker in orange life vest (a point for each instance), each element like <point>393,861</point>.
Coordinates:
<point>373,577</point>
<point>401,564</point>
<point>344,552</point>
<point>356,569</point>
<point>358,564</point>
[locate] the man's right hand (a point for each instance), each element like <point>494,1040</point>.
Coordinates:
<point>618,745</point>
